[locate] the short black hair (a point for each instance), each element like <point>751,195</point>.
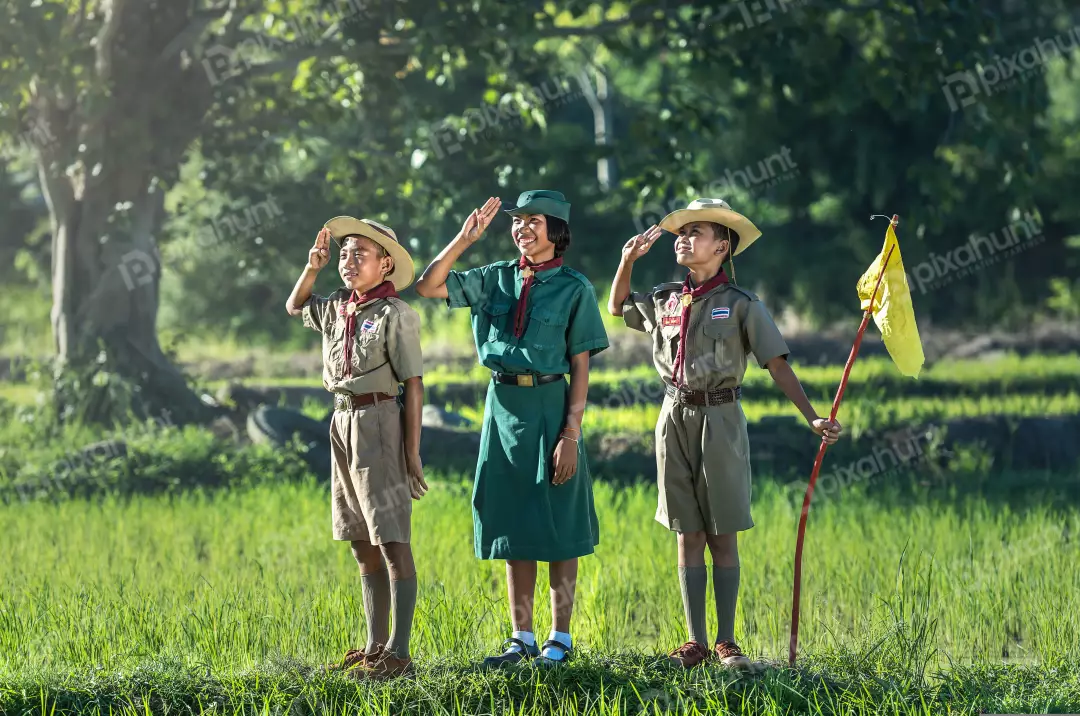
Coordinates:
<point>732,237</point>
<point>558,232</point>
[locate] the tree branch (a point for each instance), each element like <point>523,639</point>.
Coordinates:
<point>187,37</point>
<point>114,10</point>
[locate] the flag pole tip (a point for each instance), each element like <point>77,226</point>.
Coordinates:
<point>896,220</point>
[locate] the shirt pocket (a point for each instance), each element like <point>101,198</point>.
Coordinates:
<point>727,354</point>
<point>370,348</point>
<point>494,316</point>
<point>547,329</point>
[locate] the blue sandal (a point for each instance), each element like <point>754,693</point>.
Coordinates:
<point>511,656</point>
<point>544,662</point>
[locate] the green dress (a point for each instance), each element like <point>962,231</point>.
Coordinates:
<point>517,512</point>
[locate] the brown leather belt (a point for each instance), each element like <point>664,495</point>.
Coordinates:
<point>347,401</point>
<point>716,396</point>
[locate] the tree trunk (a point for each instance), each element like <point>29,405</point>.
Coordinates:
<point>101,178</point>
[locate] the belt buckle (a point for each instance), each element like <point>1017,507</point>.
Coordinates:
<point>682,395</point>
<point>340,401</point>
<point>525,380</point>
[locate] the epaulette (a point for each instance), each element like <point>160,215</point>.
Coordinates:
<point>746,292</point>
<point>578,275</point>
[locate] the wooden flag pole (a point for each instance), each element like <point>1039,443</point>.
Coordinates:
<point>821,455</point>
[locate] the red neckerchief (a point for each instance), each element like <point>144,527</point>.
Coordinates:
<point>678,371</point>
<point>383,290</point>
<point>528,270</point>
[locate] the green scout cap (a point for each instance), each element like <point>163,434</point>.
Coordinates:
<point>542,201</point>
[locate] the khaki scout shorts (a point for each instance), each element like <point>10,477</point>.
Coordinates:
<point>369,488</point>
<point>703,468</point>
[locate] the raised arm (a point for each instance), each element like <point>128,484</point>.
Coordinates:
<point>433,283</point>
<point>318,257</point>
<point>632,250</point>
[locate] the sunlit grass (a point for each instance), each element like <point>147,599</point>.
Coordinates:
<point>210,586</point>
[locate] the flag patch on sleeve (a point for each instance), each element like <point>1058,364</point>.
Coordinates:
<point>368,326</point>
<point>721,313</point>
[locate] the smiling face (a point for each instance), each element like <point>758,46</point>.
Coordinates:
<point>362,263</point>
<point>701,244</point>
<point>530,232</point>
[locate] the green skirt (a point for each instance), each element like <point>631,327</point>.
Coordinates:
<point>517,512</point>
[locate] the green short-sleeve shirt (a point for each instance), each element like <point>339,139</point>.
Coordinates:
<point>563,317</point>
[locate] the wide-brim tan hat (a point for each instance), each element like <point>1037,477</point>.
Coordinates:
<point>713,210</point>
<point>404,272</point>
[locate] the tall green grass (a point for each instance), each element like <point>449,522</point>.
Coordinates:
<point>228,580</point>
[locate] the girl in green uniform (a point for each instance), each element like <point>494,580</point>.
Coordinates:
<point>534,320</point>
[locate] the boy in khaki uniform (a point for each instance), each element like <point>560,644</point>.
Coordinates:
<point>702,330</point>
<point>371,343</point>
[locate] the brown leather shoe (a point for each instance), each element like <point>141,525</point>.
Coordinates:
<point>730,655</point>
<point>689,655</point>
<point>357,658</point>
<point>386,667</point>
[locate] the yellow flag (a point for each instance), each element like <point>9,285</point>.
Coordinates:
<point>893,311</point>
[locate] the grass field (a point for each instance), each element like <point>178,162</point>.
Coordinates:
<point>231,598</point>
<point>962,597</point>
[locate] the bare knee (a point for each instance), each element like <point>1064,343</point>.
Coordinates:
<point>367,556</point>
<point>724,549</point>
<point>691,549</point>
<point>399,559</point>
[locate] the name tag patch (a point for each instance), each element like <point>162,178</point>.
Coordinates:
<point>671,320</point>
<point>721,313</point>
<point>368,326</point>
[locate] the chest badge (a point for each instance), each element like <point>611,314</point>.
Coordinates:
<point>671,320</point>
<point>721,313</point>
<point>672,302</point>
<point>368,326</point>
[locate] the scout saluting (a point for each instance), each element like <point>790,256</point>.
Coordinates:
<point>533,320</point>
<point>371,343</point>
<point>702,330</point>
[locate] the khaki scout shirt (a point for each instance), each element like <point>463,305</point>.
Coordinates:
<point>386,349</point>
<point>726,324</point>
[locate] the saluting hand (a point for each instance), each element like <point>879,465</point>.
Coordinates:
<point>638,246</point>
<point>319,255</point>
<point>478,221</point>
